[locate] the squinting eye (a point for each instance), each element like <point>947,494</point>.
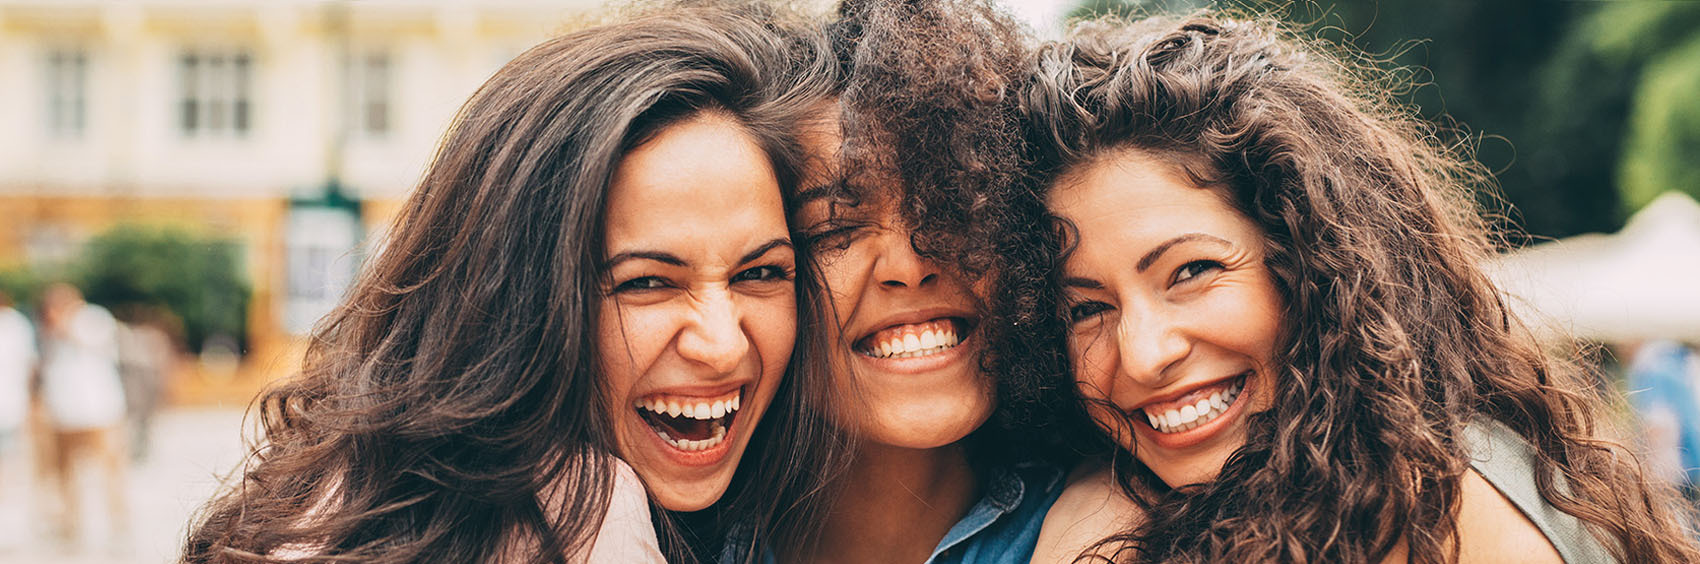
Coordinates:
<point>1195,268</point>
<point>835,235</point>
<point>1086,310</point>
<point>761,273</point>
<point>641,283</point>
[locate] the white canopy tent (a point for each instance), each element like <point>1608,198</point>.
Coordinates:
<point>1640,283</point>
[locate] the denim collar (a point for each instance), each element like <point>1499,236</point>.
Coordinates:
<point>1004,491</point>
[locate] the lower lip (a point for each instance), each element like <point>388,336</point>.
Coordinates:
<point>1202,433</point>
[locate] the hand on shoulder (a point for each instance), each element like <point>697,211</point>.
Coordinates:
<point>1090,509</point>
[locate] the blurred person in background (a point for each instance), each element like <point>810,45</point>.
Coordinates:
<point>1661,386</point>
<point>17,366</point>
<point>83,401</point>
<point>147,353</point>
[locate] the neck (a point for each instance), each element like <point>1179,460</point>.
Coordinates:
<point>905,499</point>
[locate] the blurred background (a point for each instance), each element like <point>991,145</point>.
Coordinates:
<point>209,175</point>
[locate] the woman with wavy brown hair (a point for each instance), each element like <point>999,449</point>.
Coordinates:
<point>1278,320</point>
<point>594,284</point>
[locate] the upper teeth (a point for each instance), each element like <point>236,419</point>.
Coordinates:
<point>1189,416</point>
<point>908,345</point>
<point>689,407</point>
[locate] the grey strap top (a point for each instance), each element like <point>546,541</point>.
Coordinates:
<point>1508,462</point>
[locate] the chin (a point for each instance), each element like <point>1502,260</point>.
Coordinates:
<point>925,424</point>
<point>689,497</point>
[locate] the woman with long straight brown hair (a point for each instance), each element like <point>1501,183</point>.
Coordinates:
<point>595,274</point>
<point>1277,317</point>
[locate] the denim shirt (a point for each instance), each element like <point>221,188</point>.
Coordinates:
<point>1001,528</point>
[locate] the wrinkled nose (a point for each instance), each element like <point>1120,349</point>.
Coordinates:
<point>716,337</point>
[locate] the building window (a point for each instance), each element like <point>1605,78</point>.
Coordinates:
<point>216,93</point>
<point>67,93</point>
<point>371,94</point>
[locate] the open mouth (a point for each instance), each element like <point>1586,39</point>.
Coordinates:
<point>1197,408</point>
<point>690,424</point>
<point>911,340</point>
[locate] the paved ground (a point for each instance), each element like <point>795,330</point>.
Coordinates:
<point>192,448</point>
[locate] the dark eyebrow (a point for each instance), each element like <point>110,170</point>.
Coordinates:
<point>1156,253</point>
<point>669,259</point>
<point>763,249</point>
<point>656,256</point>
<point>1077,282</point>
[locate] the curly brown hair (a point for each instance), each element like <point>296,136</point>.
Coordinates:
<point>929,100</point>
<point>1395,340</point>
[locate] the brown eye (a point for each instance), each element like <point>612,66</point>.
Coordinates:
<point>641,283</point>
<point>1084,310</point>
<point>762,273</point>
<point>1194,269</point>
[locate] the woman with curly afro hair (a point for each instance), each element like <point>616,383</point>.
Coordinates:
<point>1277,317</point>
<point>899,205</point>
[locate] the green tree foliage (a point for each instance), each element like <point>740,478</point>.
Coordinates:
<point>1544,90</point>
<point>198,278</point>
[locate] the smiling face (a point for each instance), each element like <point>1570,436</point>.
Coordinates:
<point>1175,316</point>
<point>699,312</point>
<point>904,339</point>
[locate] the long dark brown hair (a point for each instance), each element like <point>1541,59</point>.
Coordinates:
<point>1394,339</point>
<point>454,390</point>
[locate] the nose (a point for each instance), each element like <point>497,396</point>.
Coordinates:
<point>899,266</point>
<point>1149,344</point>
<point>715,338</point>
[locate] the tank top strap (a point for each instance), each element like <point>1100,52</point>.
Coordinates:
<point>1505,460</point>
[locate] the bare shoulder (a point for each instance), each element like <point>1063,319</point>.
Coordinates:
<point>1090,509</point>
<point>1491,529</point>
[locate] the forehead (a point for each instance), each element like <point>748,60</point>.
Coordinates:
<point>700,179</point>
<point>1130,192</point>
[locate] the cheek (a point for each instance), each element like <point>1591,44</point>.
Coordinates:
<point>628,341</point>
<point>772,326</point>
<point>1093,357</point>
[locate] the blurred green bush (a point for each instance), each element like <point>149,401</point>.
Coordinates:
<point>197,277</point>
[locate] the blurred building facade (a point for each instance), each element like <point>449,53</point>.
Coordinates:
<point>295,127</point>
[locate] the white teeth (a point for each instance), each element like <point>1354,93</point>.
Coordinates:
<point>693,446</point>
<point>703,410</point>
<point>1195,415</point>
<point>909,345</point>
